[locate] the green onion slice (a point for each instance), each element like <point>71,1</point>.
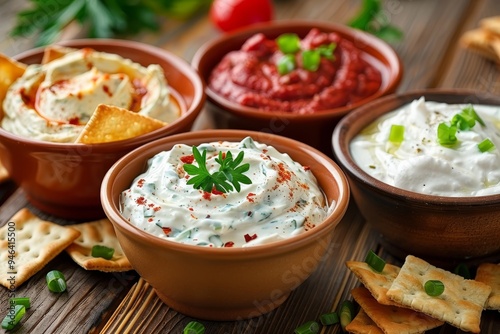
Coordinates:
<point>434,288</point>
<point>462,270</point>
<point>346,313</point>
<point>463,121</point>
<point>288,43</point>
<point>102,251</point>
<point>309,327</point>
<point>374,261</point>
<point>56,281</point>
<point>446,134</point>
<point>25,301</point>
<point>469,110</point>
<point>311,60</point>
<point>397,133</point>
<point>327,50</point>
<point>486,145</point>
<point>286,64</point>
<point>194,327</point>
<point>11,320</point>
<point>327,319</point>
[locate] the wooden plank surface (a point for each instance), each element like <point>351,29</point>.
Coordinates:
<point>106,303</point>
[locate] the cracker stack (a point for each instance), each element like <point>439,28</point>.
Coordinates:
<point>484,40</point>
<point>395,301</point>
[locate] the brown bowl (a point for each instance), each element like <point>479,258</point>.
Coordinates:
<point>64,179</point>
<point>443,230</point>
<point>224,283</point>
<point>315,128</point>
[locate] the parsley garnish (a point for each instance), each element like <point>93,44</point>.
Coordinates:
<point>229,172</point>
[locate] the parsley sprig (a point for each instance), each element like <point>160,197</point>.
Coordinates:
<point>230,172</point>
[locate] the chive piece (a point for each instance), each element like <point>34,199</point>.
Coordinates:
<point>56,281</point>
<point>397,133</point>
<point>462,270</point>
<point>463,121</point>
<point>346,313</point>
<point>374,261</point>
<point>194,327</point>
<point>446,134</point>
<point>102,251</point>
<point>469,110</point>
<point>309,327</point>
<point>331,318</point>
<point>286,64</point>
<point>434,288</point>
<point>11,320</point>
<point>311,60</point>
<point>25,301</point>
<point>486,145</point>
<point>288,43</point>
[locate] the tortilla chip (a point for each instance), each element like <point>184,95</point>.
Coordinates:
<point>491,24</point>
<point>460,304</point>
<point>34,242</point>
<point>110,123</point>
<point>489,274</point>
<point>10,70</point>
<point>363,324</point>
<point>53,52</point>
<point>376,283</point>
<point>99,232</point>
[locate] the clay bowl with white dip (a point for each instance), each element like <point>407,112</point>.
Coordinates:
<point>63,177</point>
<point>225,255</point>
<point>334,70</point>
<point>433,194</point>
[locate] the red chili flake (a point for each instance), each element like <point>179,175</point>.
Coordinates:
<point>141,200</point>
<point>140,183</point>
<point>216,192</point>
<point>249,237</point>
<point>249,197</point>
<point>157,209</point>
<point>229,244</point>
<point>74,121</point>
<point>284,174</point>
<point>187,159</point>
<point>166,230</point>
<point>190,209</point>
<point>151,205</point>
<point>265,151</point>
<point>106,90</point>
<point>306,168</point>
<point>223,155</point>
<point>150,220</point>
<point>207,195</point>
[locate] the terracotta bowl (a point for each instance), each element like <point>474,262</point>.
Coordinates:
<point>443,230</point>
<point>314,129</point>
<point>64,179</point>
<point>224,283</point>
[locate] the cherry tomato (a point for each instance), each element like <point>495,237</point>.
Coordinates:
<point>229,15</point>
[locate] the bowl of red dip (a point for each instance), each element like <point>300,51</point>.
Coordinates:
<point>294,78</point>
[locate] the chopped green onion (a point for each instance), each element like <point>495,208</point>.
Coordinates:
<point>469,110</point>
<point>327,50</point>
<point>309,327</point>
<point>286,64</point>
<point>486,145</point>
<point>11,320</point>
<point>434,288</point>
<point>56,281</point>
<point>194,327</point>
<point>374,261</point>
<point>311,60</point>
<point>397,133</point>
<point>463,121</point>
<point>462,270</point>
<point>102,251</point>
<point>446,134</point>
<point>329,318</point>
<point>25,301</point>
<point>346,313</point>
<point>288,43</point>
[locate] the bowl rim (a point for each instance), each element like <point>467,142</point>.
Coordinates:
<point>394,64</point>
<point>148,150</point>
<point>343,156</point>
<point>192,112</point>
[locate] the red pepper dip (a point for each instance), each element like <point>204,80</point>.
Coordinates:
<point>250,76</point>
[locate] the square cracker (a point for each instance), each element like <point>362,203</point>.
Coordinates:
<point>376,283</point>
<point>99,232</point>
<point>489,273</point>
<point>363,324</point>
<point>460,304</point>
<point>110,123</point>
<point>393,319</point>
<point>35,243</point>
<point>482,42</point>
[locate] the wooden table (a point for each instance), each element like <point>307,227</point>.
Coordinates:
<point>122,303</point>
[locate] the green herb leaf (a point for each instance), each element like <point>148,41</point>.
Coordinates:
<point>288,43</point>
<point>369,9</point>
<point>311,60</point>
<point>286,64</point>
<point>469,110</point>
<point>327,50</point>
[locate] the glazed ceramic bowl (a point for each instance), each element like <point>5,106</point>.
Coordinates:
<point>224,283</point>
<point>444,230</point>
<point>64,179</point>
<point>315,128</point>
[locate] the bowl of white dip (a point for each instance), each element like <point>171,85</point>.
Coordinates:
<point>46,109</point>
<point>225,254</point>
<point>424,168</point>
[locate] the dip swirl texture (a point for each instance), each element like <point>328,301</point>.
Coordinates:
<point>283,200</point>
<point>420,163</point>
<point>53,101</point>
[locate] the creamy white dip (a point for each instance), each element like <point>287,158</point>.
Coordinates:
<point>420,164</point>
<point>53,101</point>
<point>283,200</point>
